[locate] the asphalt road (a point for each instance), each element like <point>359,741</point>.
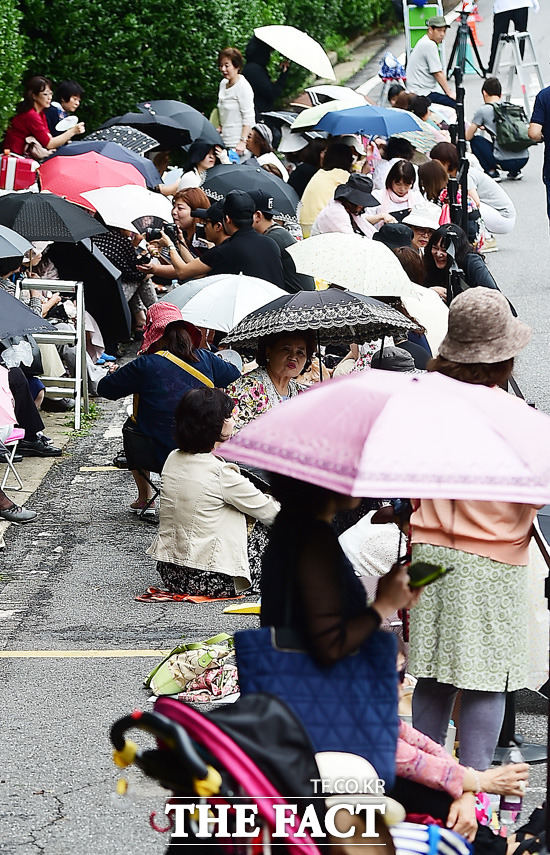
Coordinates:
<point>69,580</point>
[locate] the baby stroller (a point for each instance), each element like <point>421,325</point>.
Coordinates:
<point>254,750</point>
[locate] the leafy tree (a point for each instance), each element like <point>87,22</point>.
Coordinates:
<point>12,60</point>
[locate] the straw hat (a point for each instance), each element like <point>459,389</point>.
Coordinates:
<point>159,315</point>
<point>425,215</point>
<point>483,329</point>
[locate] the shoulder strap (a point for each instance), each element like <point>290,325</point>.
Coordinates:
<point>186,367</point>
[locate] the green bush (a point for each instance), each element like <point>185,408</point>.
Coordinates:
<point>123,53</point>
<point>12,60</point>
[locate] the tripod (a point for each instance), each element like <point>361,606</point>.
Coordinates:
<point>464,36</point>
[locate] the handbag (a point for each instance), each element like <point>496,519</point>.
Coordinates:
<point>186,662</point>
<point>35,149</point>
<point>350,706</point>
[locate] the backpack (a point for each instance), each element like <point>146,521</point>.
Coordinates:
<point>511,126</point>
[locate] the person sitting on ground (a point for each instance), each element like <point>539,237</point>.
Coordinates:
<point>212,219</point>
<point>202,157</point>
<point>346,212</point>
<point>264,224</point>
<point>260,145</point>
<point>425,74</point>
<point>423,220</point>
<point>35,443</point>
<point>337,164</point>
<point>394,91</point>
<point>30,120</point>
<point>495,206</point>
<point>66,101</point>
<point>170,363</point>
<point>488,151</point>
<point>438,261</point>
<point>308,161</point>
<point>420,106</point>
<point>395,149</point>
<point>399,195</point>
<point>201,542</point>
<point>245,252</point>
<point>431,781</point>
<point>432,181</point>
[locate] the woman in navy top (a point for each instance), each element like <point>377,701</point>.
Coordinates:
<point>171,363</point>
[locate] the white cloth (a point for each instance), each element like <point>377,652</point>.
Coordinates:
<point>507,5</point>
<point>271,157</point>
<point>236,108</point>
<point>423,63</point>
<point>202,523</point>
<point>191,179</point>
<point>372,549</point>
<point>335,218</point>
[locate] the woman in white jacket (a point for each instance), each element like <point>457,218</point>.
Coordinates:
<point>201,545</point>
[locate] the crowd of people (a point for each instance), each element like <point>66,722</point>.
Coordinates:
<point>223,532</point>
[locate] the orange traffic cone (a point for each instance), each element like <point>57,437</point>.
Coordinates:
<point>472,26</point>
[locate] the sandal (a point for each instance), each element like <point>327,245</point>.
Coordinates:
<point>138,506</point>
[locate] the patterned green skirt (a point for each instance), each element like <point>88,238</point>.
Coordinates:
<point>470,627</point>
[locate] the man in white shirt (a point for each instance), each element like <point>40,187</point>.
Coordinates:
<point>425,69</point>
<point>506,12</point>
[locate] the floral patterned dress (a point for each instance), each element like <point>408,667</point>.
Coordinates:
<point>255,393</point>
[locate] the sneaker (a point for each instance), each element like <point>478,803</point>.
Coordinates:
<point>490,245</point>
<point>17,514</point>
<point>137,508</point>
<point>514,176</point>
<point>38,448</point>
<point>495,175</point>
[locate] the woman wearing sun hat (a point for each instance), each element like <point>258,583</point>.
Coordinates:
<point>469,631</point>
<point>171,362</point>
<point>424,221</point>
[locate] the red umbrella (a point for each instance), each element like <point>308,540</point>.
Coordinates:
<point>71,176</point>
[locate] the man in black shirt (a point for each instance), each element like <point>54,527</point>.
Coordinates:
<point>246,251</point>
<point>264,225</point>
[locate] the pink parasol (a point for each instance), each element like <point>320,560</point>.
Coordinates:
<point>71,176</point>
<point>7,414</point>
<point>382,434</point>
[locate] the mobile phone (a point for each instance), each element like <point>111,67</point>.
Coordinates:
<point>423,573</point>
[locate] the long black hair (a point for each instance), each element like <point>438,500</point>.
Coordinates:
<point>447,235</point>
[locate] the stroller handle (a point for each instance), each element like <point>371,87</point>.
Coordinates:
<point>162,728</point>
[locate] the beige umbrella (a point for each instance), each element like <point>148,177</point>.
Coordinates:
<point>298,47</point>
<point>364,266</point>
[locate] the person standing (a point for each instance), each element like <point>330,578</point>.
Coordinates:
<point>506,12</point>
<point>488,152</point>
<point>539,130</point>
<point>235,101</point>
<point>425,70</point>
<point>266,91</point>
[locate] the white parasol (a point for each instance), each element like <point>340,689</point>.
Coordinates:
<point>298,47</point>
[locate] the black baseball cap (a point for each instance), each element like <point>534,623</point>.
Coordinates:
<point>394,235</point>
<point>263,201</point>
<point>238,205</point>
<point>214,213</point>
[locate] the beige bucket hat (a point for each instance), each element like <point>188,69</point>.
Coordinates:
<point>483,329</point>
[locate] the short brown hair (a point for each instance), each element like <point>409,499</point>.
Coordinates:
<point>447,153</point>
<point>479,373</point>
<point>233,55</point>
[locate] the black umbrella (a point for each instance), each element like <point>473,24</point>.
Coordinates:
<point>168,133</point>
<point>114,151</point>
<point>44,216</point>
<point>103,295</point>
<point>130,138</point>
<point>18,321</point>
<point>337,317</point>
<point>186,116</point>
<point>223,178</point>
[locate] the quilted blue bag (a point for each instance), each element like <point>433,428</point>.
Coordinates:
<point>350,706</point>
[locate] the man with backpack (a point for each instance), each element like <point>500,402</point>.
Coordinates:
<point>507,147</point>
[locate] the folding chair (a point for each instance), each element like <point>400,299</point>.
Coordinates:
<point>8,448</point>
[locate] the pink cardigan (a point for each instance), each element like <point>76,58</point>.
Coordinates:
<point>422,760</point>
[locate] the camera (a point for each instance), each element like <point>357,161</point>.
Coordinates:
<point>170,230</point>
<point>199,231</point>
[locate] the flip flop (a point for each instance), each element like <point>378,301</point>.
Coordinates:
<point>244,609</point>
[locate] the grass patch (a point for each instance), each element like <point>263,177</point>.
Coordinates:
<point>86,420</point>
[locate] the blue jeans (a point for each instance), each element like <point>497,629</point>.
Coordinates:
<point>484,151</point>
<point>440,98</point>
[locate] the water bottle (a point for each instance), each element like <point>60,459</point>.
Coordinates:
<point>510,806</point>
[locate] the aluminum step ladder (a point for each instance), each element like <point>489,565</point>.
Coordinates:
<point>509,63</point>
